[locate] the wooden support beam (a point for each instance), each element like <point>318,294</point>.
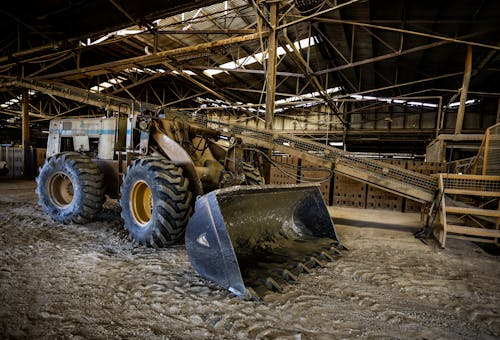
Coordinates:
<point>26,135</point>
<point>272,59</point>
<point>272,65</point>
<point>473,231</point>
<point>498,111</point>
<point>422,34</point>
<point>27,52</point>
<point>148,60</point>
<point>461,137</point>
<point>399,85</point>
<point>393,54</point>
<point>309,73</point>
<point>245,70</point>
<point>196,82</point>
<point>463,93</point>
<point>473,211</point>
<point>438,116</point>
<point>44,68</point>
<point>205,31</point>
<point>473,192</point>
<point>318,14</point>
<point>83,96</point>
<point>123,11</point>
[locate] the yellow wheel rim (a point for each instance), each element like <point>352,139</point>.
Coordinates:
<point>141,203</point>
<point>61,190</point>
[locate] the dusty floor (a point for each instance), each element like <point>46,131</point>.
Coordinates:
<point>92,282</point>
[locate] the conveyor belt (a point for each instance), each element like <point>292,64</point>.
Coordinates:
<point>402,182</point>
<point>79,95</point>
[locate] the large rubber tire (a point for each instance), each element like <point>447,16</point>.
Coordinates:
<point>252,175</point>
<point>155,202</point>
<point>70,188</point>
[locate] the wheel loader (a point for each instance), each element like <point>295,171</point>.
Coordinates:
<point>176,179</point>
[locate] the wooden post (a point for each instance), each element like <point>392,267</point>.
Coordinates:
<point>486,151</point>
<point>465,89</point>
<point>498,111</point>
<point>272,58</point>
<point>443,228</point>
<point>26,136</point>
<point>438,118</point>
<point>271,65</point>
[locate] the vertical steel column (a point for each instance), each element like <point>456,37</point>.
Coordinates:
<point>26,136</point>
<point>465,89</point>
<point>272,46</point>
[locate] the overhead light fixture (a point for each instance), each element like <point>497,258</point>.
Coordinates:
<point>467,102</point>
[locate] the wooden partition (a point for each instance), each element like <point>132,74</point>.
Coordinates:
<point>452,221</point>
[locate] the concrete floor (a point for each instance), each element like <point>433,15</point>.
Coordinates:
<point>90,281</point>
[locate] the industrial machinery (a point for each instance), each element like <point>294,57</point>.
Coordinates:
<point>242,233</point>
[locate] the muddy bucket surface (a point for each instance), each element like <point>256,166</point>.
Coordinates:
<point>247,236</point>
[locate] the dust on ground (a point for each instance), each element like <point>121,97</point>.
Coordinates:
<point>91,281</point>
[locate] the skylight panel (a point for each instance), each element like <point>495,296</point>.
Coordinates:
<point>304,43</point>
<point>230,65</point>
<point>107,84</point>
<point>307,96</point>
<point>395,101</point>
<point>212,72</point>
<point>261,57</point>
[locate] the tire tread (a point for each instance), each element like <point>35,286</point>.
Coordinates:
<point>172,203</point>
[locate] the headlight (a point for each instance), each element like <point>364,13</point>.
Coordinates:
<point>143,124</point>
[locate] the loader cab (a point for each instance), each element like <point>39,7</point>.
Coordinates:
<point>99,138</point>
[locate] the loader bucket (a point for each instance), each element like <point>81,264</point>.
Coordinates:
<point>249,239</point>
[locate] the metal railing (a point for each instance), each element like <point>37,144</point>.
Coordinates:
<point>488,158</point>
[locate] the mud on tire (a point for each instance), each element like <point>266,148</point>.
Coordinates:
<point>70,188</point>
<point>155,201</point>
<point>252,175</point>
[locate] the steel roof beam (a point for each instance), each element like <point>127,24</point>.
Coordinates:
<point>147,60</point>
